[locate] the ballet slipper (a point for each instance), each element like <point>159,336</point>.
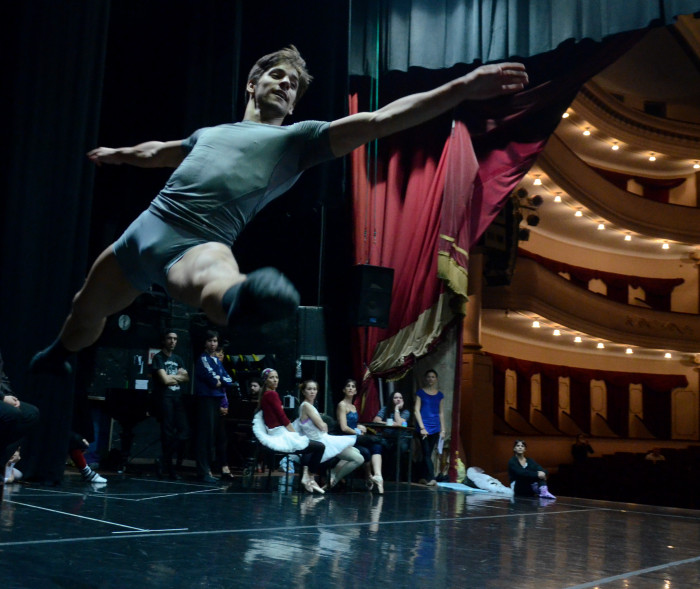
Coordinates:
<point>379,481</point>
<point>369,483</point>
<point>265,295</point>
<point>316,488</point>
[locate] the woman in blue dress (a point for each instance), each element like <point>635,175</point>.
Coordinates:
<point>430,421</point>
<point>369,446</point>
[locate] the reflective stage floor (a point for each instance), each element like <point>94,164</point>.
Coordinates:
<point>141,532</point>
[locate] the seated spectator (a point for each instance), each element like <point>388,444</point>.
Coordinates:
<point>76,449</point>
<point>312,425</point>
<point>16,418</point>
<point>370,446</point>
<point>12,475</point>
<point>581,449</point>
<point>396,414</point>
<point>527,478</point>
<point>273,430</point>
<point>655,455</point>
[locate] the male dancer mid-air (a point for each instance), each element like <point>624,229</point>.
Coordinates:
<point>223,177</point>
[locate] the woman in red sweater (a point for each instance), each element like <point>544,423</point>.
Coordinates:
<point>274,430</point>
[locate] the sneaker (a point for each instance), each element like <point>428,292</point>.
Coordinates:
<point>91,476</point>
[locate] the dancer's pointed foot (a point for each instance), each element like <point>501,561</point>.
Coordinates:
<point>52,360</point>
<point>265,295</point>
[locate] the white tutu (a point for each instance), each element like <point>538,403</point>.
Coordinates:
<point>279,439</point>
<point>334,444</point>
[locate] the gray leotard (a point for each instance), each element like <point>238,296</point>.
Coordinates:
<point>230,173</point>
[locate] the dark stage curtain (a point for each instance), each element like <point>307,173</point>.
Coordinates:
<point>400,34</point>
<point>55,79</point>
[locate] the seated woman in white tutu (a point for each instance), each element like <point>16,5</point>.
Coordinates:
<point>312,425</point>
<point>273,430</point>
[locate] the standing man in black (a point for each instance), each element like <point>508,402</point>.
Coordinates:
<point>168,374</point>
<point>16,418</point>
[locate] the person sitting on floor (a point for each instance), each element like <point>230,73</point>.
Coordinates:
<point>526,476</point>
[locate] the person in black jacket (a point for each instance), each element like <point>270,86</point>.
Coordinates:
<point>529,477</point>
<point>16,418</point>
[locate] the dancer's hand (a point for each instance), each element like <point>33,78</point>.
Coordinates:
<point>489,81</point>
<point>104,155</point>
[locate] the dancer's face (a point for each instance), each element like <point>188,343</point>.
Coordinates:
<point>310,391</point>
<point>272,381</point>
<point>276,89</point>
<point>350,389</point>
<point>519,448</point>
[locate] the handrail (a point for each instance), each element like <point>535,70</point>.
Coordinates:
<point>627,210</point>
<point>536,289</point>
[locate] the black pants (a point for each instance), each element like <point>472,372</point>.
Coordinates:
<point>174,429</point>
<point>208,416</point>
<point>311,456</point>
<point>14,423</point>
<point>427,469</point>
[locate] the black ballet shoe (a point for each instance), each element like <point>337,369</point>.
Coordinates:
<point>265,295</point>
<point>47,362</point>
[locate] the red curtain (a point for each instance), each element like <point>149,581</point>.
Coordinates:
<point>408,207</point>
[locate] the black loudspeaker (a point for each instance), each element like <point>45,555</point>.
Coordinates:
<point>372,287</point>
<point>311,332</point>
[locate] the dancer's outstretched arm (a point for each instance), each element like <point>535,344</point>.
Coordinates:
<point>487,81</point>
<point>151,154</point>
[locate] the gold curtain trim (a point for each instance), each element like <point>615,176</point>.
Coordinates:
<point>455,276</point>
<point>415,339</point>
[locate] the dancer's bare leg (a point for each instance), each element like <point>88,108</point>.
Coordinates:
<point>202,276</point>
<point>208,277</point>
<point>106,291</point>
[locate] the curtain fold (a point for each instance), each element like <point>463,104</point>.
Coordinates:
<point>388,35</point>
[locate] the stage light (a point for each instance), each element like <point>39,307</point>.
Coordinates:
<point>600,346</point>
<point>665,246</point>
<point>667,355</point>
<point>615,146</point>
<point>556,332</point>
<point>577,339</point>
<point>557,198</point>
<point>536,324</point>
<point>696,165</point>
<point>652,157</point>
<point>629,351</point>
<point>601,226</point>
<point>587,132</point>
<point>578,213</point>
<point>628,237</point>
<point>537,182</point>
<point>565,115</point>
